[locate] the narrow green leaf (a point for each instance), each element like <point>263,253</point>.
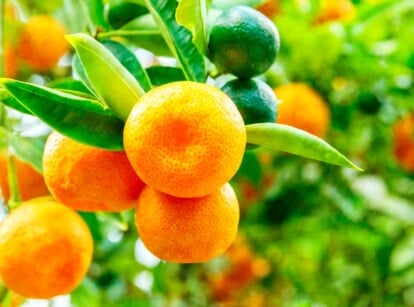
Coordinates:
<point>114,84</point>
<point>160,75</point>
<point>192,15</point>
<point>178,39</point>
<point>295,141</point>
<point>84,120</point>
<point>129,61</point>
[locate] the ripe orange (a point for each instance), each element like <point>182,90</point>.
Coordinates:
<point>46,249</point>
<point>29,182</point>
<point>187,230</point>
<point>403,147</point>
<point>302,107</point>
<point>42,42</point>
<point>335,10</point>
<point>185,138</point>
<point>87,178</point>
<point>10,61</point>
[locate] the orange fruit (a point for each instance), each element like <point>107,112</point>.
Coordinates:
<point>46,249</point>
<point>332,10</point>
<point>42,42</point>
<point>403,146</point>
<point>302,107</point>
<point>88,178</point>
<point>270,8</point>
<point>10,61</point>
<point>187,230</point>
<point>30,183</point>
<point>185,138</point>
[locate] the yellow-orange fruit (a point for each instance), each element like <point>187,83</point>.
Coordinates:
<point>302,107</point>
<point>270,8</point>
<point>403,147</point>
<point>185,138</point>
<point>332,10</point>
<point>42,42</point>
<point>46,249</point>
<point>29,182</point>
<point>10,61</point>
<point>187,230</point>
<point>88,178</point>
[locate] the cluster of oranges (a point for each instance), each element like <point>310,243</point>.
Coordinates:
<point>37,43</point>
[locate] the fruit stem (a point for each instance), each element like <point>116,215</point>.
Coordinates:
<point>121,223</point>
<point>15,199</point>
<point>85,13</point>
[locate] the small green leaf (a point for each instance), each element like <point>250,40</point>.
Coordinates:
<point>160,75</point>
<point>178,39</point>
<point>295,141</point>
<point>129,61</point>
<point>192,15</point>
<point>114,84</point>
<point>84,120</point>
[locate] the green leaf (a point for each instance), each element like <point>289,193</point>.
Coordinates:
<point>84,120</point>
<point>129,61</point>
<point>114,84</point>
<point>295,141</point>
<point>142,32</point>
<point>192,15</point>
<point>178,39</point>
<point>7,99</point>
<point>120,14</point>
<point>28,149</point>
<point>160,75</point>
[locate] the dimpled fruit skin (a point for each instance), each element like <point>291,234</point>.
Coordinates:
<point>243,42</point>
<point>185,138</point>
<point>46,249</point>
<point>88,178</point>
<point>255,100</point>
<point>187,230</point>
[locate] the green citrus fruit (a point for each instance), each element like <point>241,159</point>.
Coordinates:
<point>243,41</point>
<point>255,100</point>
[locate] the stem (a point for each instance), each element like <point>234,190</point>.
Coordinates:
<point>128,33</point>
<point>14,188</point>
<point>85,13</point>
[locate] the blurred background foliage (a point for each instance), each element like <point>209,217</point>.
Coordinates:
<point>310,234</point>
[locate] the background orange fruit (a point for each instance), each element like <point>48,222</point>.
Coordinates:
<point>10,61</point>
<point>302,107</point>
<point>185,138</point>
<point>88,178</point>
<point>30,183</point>
<point>42,42</point>
<point>403,131</point>
<point>187,230</point>
<point>46,249</point>
<point>335,10</point>
<point>270,8</point>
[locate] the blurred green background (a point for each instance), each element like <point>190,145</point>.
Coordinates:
<point>310,234</point>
